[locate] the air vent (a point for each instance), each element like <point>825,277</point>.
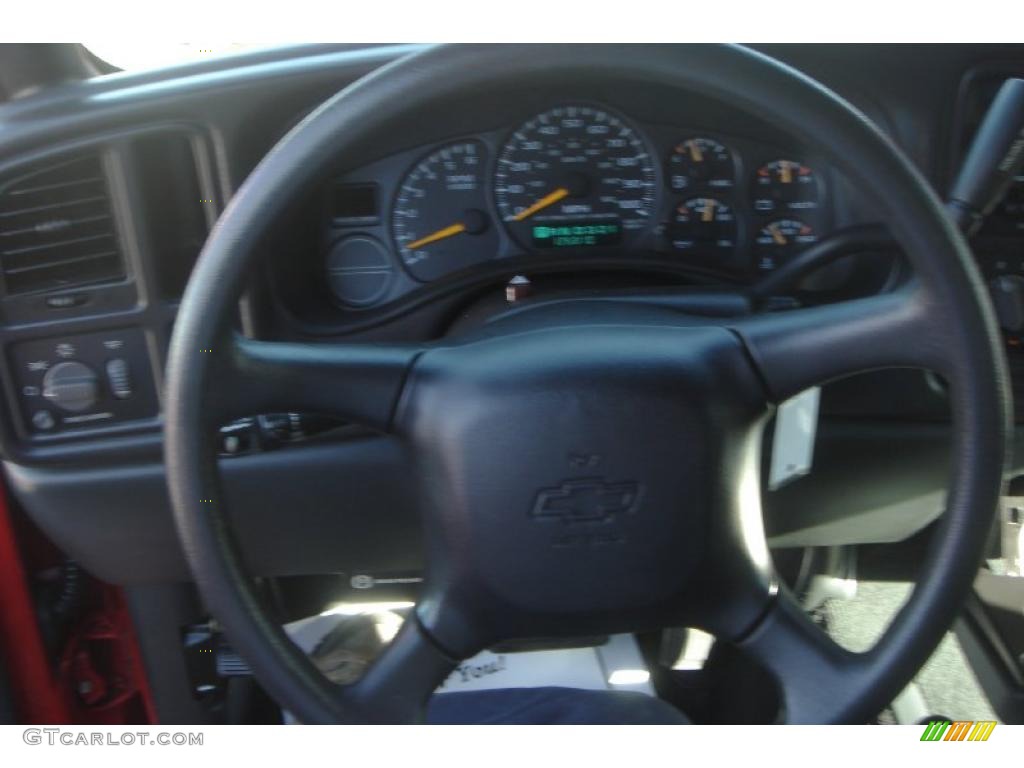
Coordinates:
<point>56,228</point>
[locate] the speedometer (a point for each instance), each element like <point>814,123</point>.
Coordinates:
<point>575,177</point>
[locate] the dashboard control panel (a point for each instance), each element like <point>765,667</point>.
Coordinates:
<point>84,380</point>
<point>579,181</point>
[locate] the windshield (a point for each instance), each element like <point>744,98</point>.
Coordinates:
<point>135,54</point>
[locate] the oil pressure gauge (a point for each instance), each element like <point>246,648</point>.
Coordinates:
<point>704,226</point>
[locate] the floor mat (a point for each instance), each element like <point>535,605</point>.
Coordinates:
<point>946,681</point>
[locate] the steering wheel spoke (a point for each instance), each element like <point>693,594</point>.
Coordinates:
<point>803,348</point>
<point>396,687</point>
<point>360,382</point>
<point>807,665</point>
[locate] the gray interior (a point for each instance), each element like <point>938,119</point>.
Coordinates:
<point>167,150</point>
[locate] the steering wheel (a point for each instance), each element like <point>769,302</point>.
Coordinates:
<point>653,416</point>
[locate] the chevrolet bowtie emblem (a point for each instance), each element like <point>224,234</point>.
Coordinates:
<point>590,500</point>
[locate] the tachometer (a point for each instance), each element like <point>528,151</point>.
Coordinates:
<point>575,176</point>
<point>439,220</point>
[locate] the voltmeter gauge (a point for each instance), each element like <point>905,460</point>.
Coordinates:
<point>700,161</point>
<point>780,240</point>
<point>704,226</point>
<point>782,186</point>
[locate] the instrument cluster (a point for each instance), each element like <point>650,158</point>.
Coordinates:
<point>577,182</point>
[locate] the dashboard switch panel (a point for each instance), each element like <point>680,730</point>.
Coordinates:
<point>83,381</point>
<point>119,378</point>
<point>71,386</point>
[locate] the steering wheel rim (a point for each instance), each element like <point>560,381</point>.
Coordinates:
<point>942,322</point>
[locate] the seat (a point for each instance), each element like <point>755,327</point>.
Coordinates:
<point>551,706</point>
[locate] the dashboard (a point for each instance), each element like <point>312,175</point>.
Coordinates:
<point>596,186</point>
<point>578,180</point>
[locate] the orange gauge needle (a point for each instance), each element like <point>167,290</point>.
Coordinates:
<point>544,202</point>
<point>708,214</point>
<point>785,173</point>
<point>777,236</point>
<point>441,234</point>
<point>695,153</point>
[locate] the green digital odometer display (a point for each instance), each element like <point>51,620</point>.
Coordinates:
<point>578,234</point>
<point>576,176</point>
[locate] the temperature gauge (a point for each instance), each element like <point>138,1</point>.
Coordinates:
<point>786,185</point>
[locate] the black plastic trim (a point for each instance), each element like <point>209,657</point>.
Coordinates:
<point>133,302</point>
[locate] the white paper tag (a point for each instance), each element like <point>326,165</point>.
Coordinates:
<point>569,668</point>
<point>617,665</point>
<point>596,669</point>
<point>796,424</point>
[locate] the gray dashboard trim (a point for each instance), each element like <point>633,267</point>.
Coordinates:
<point>873,481</point>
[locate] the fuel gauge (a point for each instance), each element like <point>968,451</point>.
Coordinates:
<point>780,240</point>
